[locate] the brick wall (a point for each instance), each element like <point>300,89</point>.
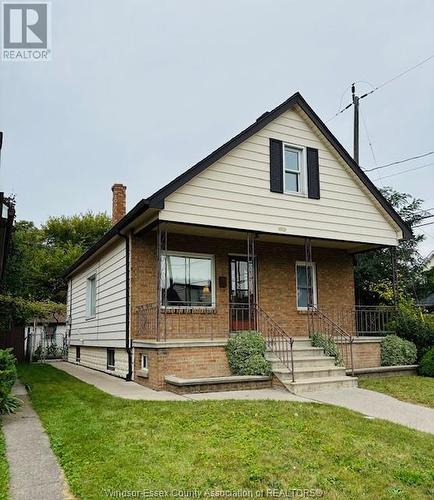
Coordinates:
<point>188,362</point>
<point>276,282</point>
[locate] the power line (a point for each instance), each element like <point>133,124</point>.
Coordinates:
<point>426,224</point>
<point>400,161</point>
<point>409,170</point>
<point>383,85</point>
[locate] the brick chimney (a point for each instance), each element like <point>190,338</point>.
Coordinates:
<point>119,207</point>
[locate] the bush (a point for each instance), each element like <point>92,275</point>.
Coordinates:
<point>330,347</point>
<point>396,351</point>
<point>412,325</point>
<point>426,367</point>
<point>8,376</point>
<point>245,352</point>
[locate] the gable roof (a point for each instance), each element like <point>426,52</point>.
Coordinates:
<point>156,200</point>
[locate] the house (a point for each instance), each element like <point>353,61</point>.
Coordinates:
<point>261,234</point>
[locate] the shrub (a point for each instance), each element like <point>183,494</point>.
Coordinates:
<point>245,352</point>
<point>396,351</point>
<point>426,367</point>
<point>412,325</point>
<point>330,347</point>
<point>8,376</point>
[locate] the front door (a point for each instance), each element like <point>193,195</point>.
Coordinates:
<point>241,288</point>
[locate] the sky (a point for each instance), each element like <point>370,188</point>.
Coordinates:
<point>137,91</point>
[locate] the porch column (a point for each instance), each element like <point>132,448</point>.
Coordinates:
<point>160,255</point>
<point>394,275</point>
<point>251,277</point>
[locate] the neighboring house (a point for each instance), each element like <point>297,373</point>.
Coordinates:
<point>261,234</point>
<point>7,217</point>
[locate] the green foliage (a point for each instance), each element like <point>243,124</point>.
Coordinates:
<point>396,351</point>
<point>411,388</point>
<point>411,324</point>
<point>245,352</point>
<point>8,376</point>
<point>426,367</point>
<point>20,311</point>
<point>330,347</point>
<point>38,258</point>
<point>374,269</point>
<point>224,445</point>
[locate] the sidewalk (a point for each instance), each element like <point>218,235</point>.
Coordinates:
<point>33,468</point>
<point>131,390</point>
<point>378,405</point>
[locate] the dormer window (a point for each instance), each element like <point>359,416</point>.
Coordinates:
<point>293,165</point>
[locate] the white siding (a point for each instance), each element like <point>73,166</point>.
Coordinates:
<point>107,328</point>
<point>96,358</point>
<point>235,192</point>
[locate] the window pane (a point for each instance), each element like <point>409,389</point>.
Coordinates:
<point>291,182</point>
<point>302,297</point>
<point>188,281</point>
<point>292,159</point>
<point>301,277</point>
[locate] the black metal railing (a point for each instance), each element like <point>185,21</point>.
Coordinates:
<point>361,320</point>
<point>199,321</point>
<point>323,327</point>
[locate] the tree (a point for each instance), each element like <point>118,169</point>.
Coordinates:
<point>38,257</point>
<point>373,272</point>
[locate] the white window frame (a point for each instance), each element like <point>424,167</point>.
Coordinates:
<point>301,151</point>
<point>213,280</point>
<point>301,263</point>
<point>90,314</point>
<point>144,362</point>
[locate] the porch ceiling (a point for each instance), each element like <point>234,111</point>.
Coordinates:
<point>226,233</point>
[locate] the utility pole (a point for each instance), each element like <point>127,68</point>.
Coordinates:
<point>356,124</point>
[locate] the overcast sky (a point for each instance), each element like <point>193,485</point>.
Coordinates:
<point>137,91</point>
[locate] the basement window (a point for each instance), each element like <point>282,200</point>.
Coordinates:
<point>144,362</point>
<point>77,354</point>
<point>110,359</point>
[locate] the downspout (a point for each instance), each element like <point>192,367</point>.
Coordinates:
<point>129,376</point>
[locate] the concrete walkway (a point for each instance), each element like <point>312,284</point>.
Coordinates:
<point>131,390</point>
<point>369,403</point>
<point>378,405</point>
<point>33,468</point>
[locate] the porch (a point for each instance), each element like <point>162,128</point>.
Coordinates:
<point>194,287</point>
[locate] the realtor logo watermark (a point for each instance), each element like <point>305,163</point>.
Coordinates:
<point>26,31</point>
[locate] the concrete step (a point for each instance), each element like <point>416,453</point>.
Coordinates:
<point>320,384</point>
<point>299,352</point>
<point>303,362</point>
<point>313,372</point>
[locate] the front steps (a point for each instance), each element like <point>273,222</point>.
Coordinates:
<point>313,370</point>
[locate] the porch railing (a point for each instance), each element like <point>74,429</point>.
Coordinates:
<point>321,324</point>
<point>362,320</point>
<point>199,321</point>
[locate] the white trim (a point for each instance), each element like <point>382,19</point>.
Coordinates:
<point>314,283</point>
<point>145,366</point>
<point>207,256</point>
<point>301,150</point>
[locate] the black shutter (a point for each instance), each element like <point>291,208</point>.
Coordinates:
<point>276,166</point>
<point>312,173</point>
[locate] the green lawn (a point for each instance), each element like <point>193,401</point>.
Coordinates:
<point>414,389</point>
<point>105,444</point>
<point>4,469</point>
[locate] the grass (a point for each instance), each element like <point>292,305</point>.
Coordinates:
<point>414,389</point>
<point>109,444</point>
<point>4,469</point>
